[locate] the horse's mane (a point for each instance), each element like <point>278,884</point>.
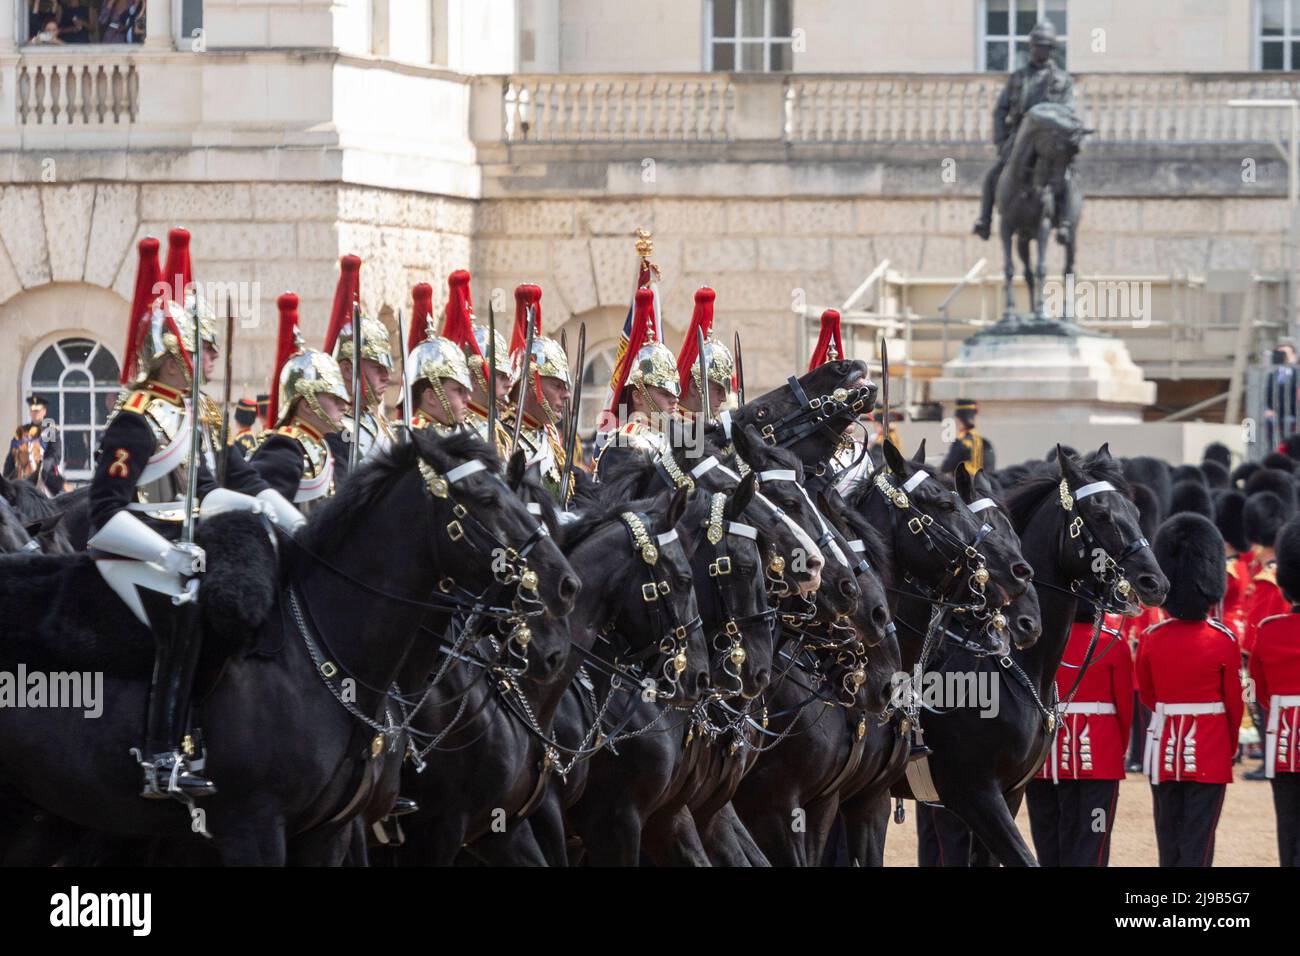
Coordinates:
<point>577,531</point>
<point>30,501</point>
<point>332,524</point>
<point>1023,499</point>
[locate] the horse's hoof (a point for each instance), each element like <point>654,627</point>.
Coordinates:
<point>982,229</point>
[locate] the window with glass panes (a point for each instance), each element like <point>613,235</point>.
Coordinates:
<point>1005,26</point>
<point>1279,34</point>
<point>79,379</point>
<point>748,35</point>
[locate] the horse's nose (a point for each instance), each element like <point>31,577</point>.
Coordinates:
<point>761,678</point>
<point>1152,585</point>
<point>1022,571</point>
<point>880,617</point>
<point>848,587</point>
<point>569,587</point>
<point>701,682</point>
<point>553,661</point>
<point>815,562</point>
<point>1028,629</point>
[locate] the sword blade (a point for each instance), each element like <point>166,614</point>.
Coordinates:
<point>489,373</point>
<point>196,426</point>
<point>223,456</point>
<point>740,372</point>
<point>358,399</point>
<point>406,378</point>
<point>524,366</point>
<point>571,423</point>
<point>884,382</point>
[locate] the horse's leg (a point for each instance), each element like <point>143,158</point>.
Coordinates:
<point>1008,265</point>
<point>1040,270</point>
<point>614,839</point>
<point>1022,247</point>
<point>326,846</point>
<point>821,818</point>
<point>672,840</point>
<point>252,841</point>
<point>867,832</point>
<point>985,812</point>
<point>547,824</point>
<point>729,842</point>
<point>518,846</point>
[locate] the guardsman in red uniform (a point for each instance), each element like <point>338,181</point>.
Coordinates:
<point>1072,799</point>
<point>1149,518</point>
<point>1275,670</point>
<point>1229,507</point>
<point>1189,673</point>
<point>1262,518</point>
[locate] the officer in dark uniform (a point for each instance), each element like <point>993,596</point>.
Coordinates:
<point>244,440</point>
<point>1038,81</point>
<point>970,448</point>
<point>35,449</point>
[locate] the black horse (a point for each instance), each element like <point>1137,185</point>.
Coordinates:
<point>41,516</point>
<point>1093,545</point>
<point>293,762</point>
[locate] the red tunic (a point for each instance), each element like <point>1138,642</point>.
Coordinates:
<point>1092,740</point>
<point>1134,627</point>
<point>1275,668</point>
<point>1189,674</point>
<point>1263,599</point>
<point>1234,598</point>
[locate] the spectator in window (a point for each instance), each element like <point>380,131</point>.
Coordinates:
<point>48,34</point>
<point>74,25</point>
<point>1280,388</point>
<point>120,21</point>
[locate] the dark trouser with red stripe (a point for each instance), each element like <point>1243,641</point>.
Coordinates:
<point>941,838</point>
<point>1138,736</point>
<point>1187,814</point>
<point>1071,821</point>
<point>1286,801</point>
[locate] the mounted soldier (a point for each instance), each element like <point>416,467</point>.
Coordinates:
<point>971,448</point>
<point>1040,80</point>
<point>34,451</point>
<point>458,326</point>
<point>718,360</point>
<point>543,398</point>
<point>437,370</point>
<point>376,359</point>
<point>303,455</point>
<point>142,500</point>
<point>244,440</point>
<point>646,389</point>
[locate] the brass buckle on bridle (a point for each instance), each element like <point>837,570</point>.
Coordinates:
<point>720,567</point>
<point>649,592</point>
<point>1076,527</point>
<point>919,523</point>
<point>455,531</point>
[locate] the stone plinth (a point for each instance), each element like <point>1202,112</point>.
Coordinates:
<point>1058,373</point>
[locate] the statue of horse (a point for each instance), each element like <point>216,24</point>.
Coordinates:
<point>1038,192</point>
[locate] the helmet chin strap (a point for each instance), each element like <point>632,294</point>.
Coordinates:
<point>441,393</point>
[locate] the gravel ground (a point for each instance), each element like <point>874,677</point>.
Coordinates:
<point>1247,834</point>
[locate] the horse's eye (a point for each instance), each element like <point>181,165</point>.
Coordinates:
<point>685,582</point>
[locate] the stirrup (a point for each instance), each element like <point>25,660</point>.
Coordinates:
<point>181,781</point>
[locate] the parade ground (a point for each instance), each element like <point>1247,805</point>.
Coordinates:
<point>1247,834</point>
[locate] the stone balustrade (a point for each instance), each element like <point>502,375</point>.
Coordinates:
<point>72,90</point>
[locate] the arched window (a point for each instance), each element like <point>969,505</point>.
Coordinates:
<point>79,379</point>
<point>595,385</point>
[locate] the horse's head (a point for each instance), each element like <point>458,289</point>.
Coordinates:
<point>13,537</point>
<point>780,480</point>
<point>729,586</point>
<point>548,650</point>
<point>871,564</point>
<point>1104,533</point>
<point>1023,616</point>
<point>488,527</point>
<point>1057,136</point>
<point>813,434</point>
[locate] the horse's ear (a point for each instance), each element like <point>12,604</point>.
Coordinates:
<point>894,458</point>
<point>741,497</point>
<point>43,525</point>
<point>1070,469</point>
<point>981,485</point>
<point>919,457</point>
<point>515,470</point>
<point>7,491</point>
<point>676,508</point>
<point>965,485</point>
<point>1103,453</point>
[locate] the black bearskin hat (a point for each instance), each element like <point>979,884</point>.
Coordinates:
<point>1287,549</point>
<point>1263,517</point>
<point>1187,473</point>
<point>1192,496</point>
<point>1279,461</point>
<point>1149,513</point>
<point>1280,483</point>
<point>1216,476</point>
<point>1189,550</point>
<point>1217,451</point>
<point>1228,508</point>
<point>1153,473</point>
<point>1241,474</point>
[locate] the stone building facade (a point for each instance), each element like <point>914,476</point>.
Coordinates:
<point>495,135</point>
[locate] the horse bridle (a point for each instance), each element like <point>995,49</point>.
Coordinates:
<point>814,413</point>
<point>715,530</point>
<point>1079,539</point>
<point>675,636</point>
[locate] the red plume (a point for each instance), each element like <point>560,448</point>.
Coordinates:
<point>146,277</point>
<point>458,320</point>
<point>346,294</point>
<point>178,274</point>
<point>285,346</point>
<point>830,334</point>
<point>702,318</point>
<point>526,295</point>
<point>642,322</point>
<point>422,296</point>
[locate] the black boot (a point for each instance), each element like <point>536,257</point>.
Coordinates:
<point>983,225</point>
<point>178,638</point>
